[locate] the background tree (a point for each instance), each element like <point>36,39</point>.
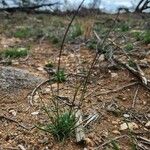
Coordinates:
<point>142,6</point>
<point>24,5</point>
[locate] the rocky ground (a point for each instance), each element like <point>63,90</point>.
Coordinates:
<point>118,96</point>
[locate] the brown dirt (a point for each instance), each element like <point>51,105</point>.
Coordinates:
<point>99,131</point>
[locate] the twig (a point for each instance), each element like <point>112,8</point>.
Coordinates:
<point>21,147</point>
<point>142,146</point>
<point>138,73</point>
<point>65,100</point>
<point>35,89</point>
<point>63,40</point>
<point>146,141</point>
<point>9,148</point>
<point>116,90</point>
<point>109,141</point>
<point>135,97</point>
<point>12,120</point>
<point>102,43</point>
<point>91,118</point>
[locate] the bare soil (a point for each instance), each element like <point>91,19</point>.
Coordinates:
<point>113,108</point>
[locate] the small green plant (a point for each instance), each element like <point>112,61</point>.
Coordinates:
<point>62,127</point>
<point>128,47</point>
<point>92,44</point>
<point>146,37</point>
<point>131,63</point>
<point>60,76</point>
<point>142,36</point>
<point>76,30</point>
<point>115,146</point>
<point>49,64</point>
<point>138,35</point>
<point>124,27</point>
<point>24,32</point>
<point>53,39</point>
<point>15,52</point>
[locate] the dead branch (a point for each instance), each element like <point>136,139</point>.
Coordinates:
<point>31,97</point>
<point>109,141</point>
<point>12,120</point>
<point>138,73</point>
<point>146,141</point>
<point>27,8</point>
<point>91,118</point>
<point>142,146</point>
<point>80,136</point>
<point>135,97</point>
<point>113,91</point>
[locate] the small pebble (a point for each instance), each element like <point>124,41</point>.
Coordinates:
<point>35,113</point>
<point>147,125</point>
<point>130,125</point>
<point>116,132</point>
<point>114,75</point>
<point>126,115</point>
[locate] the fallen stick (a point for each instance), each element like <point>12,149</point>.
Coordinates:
<point>147,141</point>
<point>142,146</point>
<point>31,97</point>
<point>109,141</point>
<point>138,73</point>
<point>135,97</point>
<point>80,136</point>
<point>90,119</point>
<point>115,90</point>
<point>12,120</point>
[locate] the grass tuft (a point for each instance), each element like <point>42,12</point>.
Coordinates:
<point>24,32</point>
<point>62,127</point>
<point>142,36</point>
<point>76,30</point>
<point>124,27</point>
<point>115,146</point>
<point>146,37</point>
<point>15,53</point>
<point>49,64</point>
<point>60,76</point>
<point>128,47</point>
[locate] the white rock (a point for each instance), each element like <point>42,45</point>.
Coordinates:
<point>40,69</point>
<point>147,125</point>
<point>115,122</point>
<point>116,132</point>
<point>72,55</point>
<point>126,115</point>
<point>13,112</point>
<point>21,147</point>
<point>14,62</point>
<point>35,113</point>
<point>143,61</point>
<point>36,97</point>
<point>47,90</point>
<point>102,57</point>
<point>130,125</point>
<point>114,75</point>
